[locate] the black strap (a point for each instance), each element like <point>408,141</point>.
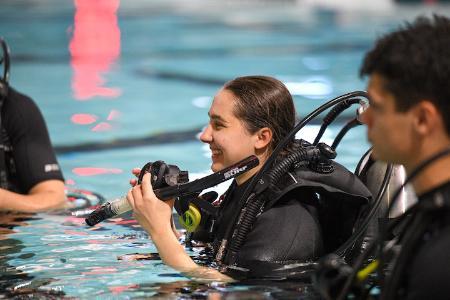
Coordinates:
<point>3,177</point>
<point>4,89</point>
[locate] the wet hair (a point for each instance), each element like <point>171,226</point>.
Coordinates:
<point>415,64</point>
<point>263,101</point>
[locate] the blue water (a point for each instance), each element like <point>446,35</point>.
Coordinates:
<point>150,68</point>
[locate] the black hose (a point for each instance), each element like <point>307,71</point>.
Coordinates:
<point>351,124</point>
<point>269,162</point>
<point>362,258</point>
<point>382,236</point>
<point>332,115</point>
<point>374,209</point>
<point>409,243</point>
<point>5,61</point>
<point>254,206</point>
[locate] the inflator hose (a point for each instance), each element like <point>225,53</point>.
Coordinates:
<point>332,115</point>
<point>341,251</point>
<point>258,181</point>
<point>255,205</point>
<point>382,236</point>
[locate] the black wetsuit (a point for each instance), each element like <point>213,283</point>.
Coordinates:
<point>287,232</point>
<point>27,157</point>
<point>306,215</point>
<point>422,268</point>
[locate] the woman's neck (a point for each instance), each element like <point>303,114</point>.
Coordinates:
<point>247,175</point>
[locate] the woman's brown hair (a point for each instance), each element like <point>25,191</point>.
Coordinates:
<point>263,101</point>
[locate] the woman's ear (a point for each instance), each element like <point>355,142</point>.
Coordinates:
<point>264,137</point>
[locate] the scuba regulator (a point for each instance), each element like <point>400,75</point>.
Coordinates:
<point>169,182</point>
<point>197,214</point>
<point>162,176</point>
<point>347,281</point>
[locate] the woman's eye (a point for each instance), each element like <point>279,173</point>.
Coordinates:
<point>217,125</point>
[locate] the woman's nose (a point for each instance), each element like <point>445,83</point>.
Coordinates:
<point>206,136</point>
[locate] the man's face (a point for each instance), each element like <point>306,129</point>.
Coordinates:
<point>390,131</point>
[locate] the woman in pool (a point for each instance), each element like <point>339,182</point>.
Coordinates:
<point>249,116</point>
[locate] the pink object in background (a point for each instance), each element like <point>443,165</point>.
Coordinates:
<point>94,47</point>
<point>103,126</point>
<point>83,119</point>
<point>90,171</point>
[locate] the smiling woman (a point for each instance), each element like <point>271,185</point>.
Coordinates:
<point>249,116</point>
<point>158,64</point>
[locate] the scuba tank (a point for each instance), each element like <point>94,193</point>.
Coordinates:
<point>371,173</point>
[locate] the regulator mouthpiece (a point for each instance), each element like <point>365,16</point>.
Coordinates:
<point>162,175</point>
<point>111,209</point>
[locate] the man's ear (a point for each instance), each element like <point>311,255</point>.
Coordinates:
<point>264,137</point>
<point>427,117</point>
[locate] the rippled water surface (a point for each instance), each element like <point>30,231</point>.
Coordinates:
<point>121,83</point>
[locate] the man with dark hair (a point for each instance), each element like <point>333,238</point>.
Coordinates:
<point>30,177</point>
<point>408,123</point>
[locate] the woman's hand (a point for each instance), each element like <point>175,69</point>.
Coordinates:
<point>135,172</point>
<point>153,214</point>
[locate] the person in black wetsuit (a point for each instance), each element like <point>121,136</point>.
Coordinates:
<point>249,116</point>
<point>30,177</point>
<point>408,122</point>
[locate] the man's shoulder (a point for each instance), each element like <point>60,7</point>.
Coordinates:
<point>20,109</point>
<point>430,267</point>
<point>16,99</point>
<point>442,191</point>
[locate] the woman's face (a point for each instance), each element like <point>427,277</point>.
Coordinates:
<point>226,135</point>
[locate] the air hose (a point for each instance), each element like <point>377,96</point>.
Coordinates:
<point>255,206</point>
<point>332,115</point>
<point>260,181</point>
<point>341,251</point>
<point>351,124</point>
<point>382,236</point>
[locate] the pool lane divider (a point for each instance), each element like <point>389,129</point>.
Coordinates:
<point>153,139</point>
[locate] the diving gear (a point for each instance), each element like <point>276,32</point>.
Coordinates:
<point>197,214</point>
<point>332,115</point>
<point>161,175</point>
<point>384,251</point>
<point>4,89</point>
<point>371,171</point>
<point>5,61</point>
<point>261,181</point>
<point>363,105</point>
<point>109,210</point>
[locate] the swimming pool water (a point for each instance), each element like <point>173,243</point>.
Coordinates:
<point>122,70</point>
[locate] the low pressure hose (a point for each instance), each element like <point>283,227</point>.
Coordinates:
<point>255,202</point>
<point>332,115</point>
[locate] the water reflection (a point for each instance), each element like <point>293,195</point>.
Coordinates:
<point>94,47</point>
<point>14,283</point>
<point>183,289</point>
